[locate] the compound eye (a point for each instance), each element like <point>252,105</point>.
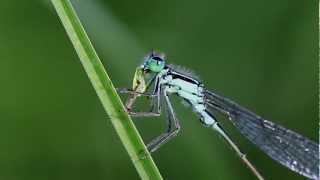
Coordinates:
<point>155,64</point>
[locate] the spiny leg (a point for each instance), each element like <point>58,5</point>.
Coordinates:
<point>131,100</point>
<point>159,94</point>
<point>237,150</point>
<point>156,101</point>
<point>173,127</point>
<point>130,91</point>
<point>134,95</point>
<point>155,107</point>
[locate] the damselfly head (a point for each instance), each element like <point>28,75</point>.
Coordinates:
<point>154,62</point>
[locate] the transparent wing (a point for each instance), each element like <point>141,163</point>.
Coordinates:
<point>283,145</point>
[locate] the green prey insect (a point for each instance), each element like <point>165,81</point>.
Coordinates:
<point>289,148</point>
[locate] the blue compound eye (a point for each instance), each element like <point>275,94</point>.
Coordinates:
<point>155,64</point>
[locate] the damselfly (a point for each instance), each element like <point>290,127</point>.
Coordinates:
<point>289,148</point>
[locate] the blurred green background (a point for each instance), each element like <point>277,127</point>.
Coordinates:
<point>262,54</point>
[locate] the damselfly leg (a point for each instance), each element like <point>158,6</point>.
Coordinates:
<point>173,126</point>
<point>132,98</point>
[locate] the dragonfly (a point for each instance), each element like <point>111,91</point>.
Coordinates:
<point>158,81</point>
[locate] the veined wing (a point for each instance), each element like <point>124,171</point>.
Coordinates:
<point>289,148</point>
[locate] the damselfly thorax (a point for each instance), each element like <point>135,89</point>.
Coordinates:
<point>188,88</point>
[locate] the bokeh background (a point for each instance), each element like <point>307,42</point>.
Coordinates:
<point>262,54</point>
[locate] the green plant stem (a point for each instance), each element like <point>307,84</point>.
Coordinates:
<point>101,82</point>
